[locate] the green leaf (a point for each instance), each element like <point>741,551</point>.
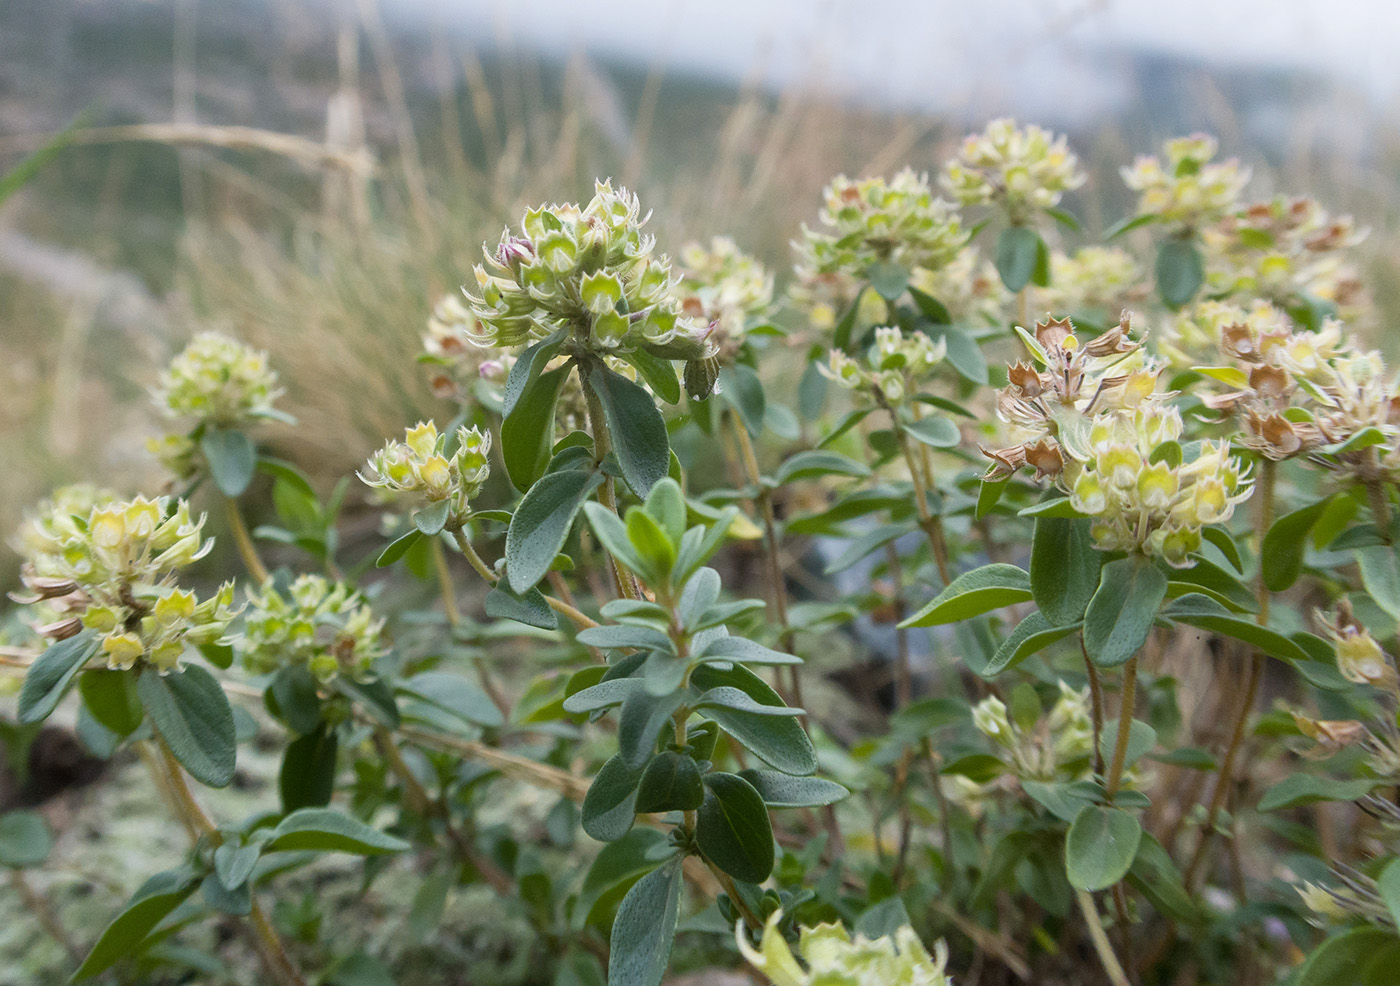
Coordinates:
<point>327,830</point>
<point>936,431</point>
<point>779,741</point>
<point>732,828</point>
<point>641,720</point>
<point>637,430</point>
<point>973,593</point>
<point>1033,634</point>
<point>150,905</point>
<point>1064,568</point>
<point>1307,789</point>
<point>1120,616</point>
<point>659,373</point>
<point>1157,878</point>
<point>1180,271</point>
<point>307,776</point>
<point>1064,799</point>
<point>236,901</point>
<point>234,864</point>
<point>964,353</point>
<point>1364,956</point>
<point>841,335</point>
<point>232,459</point>
<point>609,807</point>
<point>24,839</point>
<point>25,172</point>
<point>1130,223</point>
<point>456,695</point>
<point>653,546</point>
<point>989,494</point>
<point>1281,558</point>
<point>1141,740</point>
<point>931,308</point>
<point>888,279</point>
<point>1207,614</point>
<point>1016,255</point>
<point>744,392</point>
<point>293,696</point>
<point>645,927</point>
<point>398,548</point>
<point>111,697</point>
<point>671,782</point>
<point>1100,847</point>
<point>529,608</point>
<point>190,712</point>
<point>733,700</point>
<point>1212,580</point>
<point>1380,574</point>
<point>742,649</point>
<point>1388,883</point>
<point>1054,506</point>
<point>541,524</point>
<point>1221,538</point>
<point>779,790</point>
<point>49,676</point>
<point>816,462</point>
<point>1064,218</point>
<point>527,409</point>
<point>431,519</point>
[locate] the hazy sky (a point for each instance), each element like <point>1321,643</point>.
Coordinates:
<point>938,53</point>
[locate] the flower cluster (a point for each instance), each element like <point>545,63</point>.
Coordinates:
<point>1094,278</point>
<point>834,959</point>
<point>325,626</point>
<point>1192,338</point>
<point>873,221</point>
<point>1051,410</point>
<point>1145,499</point>
<point>1059,743</point>
<point>893,367</point>
<point>112,572</point>
<point>455,360</point>
<point>589,271</point>
<point>724,287</point>
<point>1021,169</point>
<point>1282,250</point>
<point>218,380</point>
<point>421,465</point>
<point>215,382</point>
<point>1189,192</point>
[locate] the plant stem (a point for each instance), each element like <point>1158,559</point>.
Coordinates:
<point>904,674</point>
<point>475,560</point>
<point>445,586</point>
<point>1264,520</point>
<point>1111,966</point>
<point>1125,728</point>
<point>273,951</point>
<point>727,882</point>
<point>1096,699</point>
<point>777,580</point>
<point>244,541</point>
<point>932,526</point>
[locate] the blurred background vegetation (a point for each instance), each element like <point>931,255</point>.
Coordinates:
<point>312,176</point>
<point>318,174</point>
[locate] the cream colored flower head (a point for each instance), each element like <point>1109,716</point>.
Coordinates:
<point>1188,191</point>
<point>325,626</point>
<point>833,958</point>
<point>1020,169</point>
<point>218,380</point>
<point>421,466</point>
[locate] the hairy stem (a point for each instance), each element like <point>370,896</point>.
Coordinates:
<point>1096,699</point>
<point>1125,728</point>
<point>445,585</point>
<point>244,541</point>
<point>1263,521</point>
<point>1111,966</point>
<point>931,525</point>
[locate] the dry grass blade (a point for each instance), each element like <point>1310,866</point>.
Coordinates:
<point>302,150</point>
